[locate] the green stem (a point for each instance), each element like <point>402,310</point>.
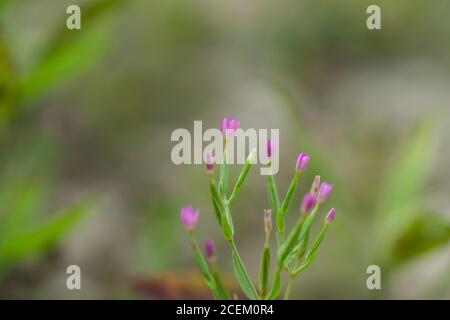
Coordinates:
<point>204,268</point>
<point>223,176</point>
<point>288,288</point>
<point>220,287</point>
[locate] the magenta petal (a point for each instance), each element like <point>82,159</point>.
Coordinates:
<point>331,215</point>
<point>324,191</point>
<point>308,203</point>
<point>223,125</point>
<point>189,216</point>
<point>210,249</point>
<point>302,161</point>
<point>269,148</point>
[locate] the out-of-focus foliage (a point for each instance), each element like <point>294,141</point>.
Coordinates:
<point>69,53</point>
<point>25,228</point>
<point>406,227</point>
<point>24,187</point>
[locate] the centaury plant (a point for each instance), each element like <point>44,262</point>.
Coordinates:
<point>294,253</point>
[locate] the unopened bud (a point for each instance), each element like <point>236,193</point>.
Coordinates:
<point>315,185</point>
<point>268,221</point>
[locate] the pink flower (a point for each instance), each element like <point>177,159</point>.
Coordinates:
<point>302,161</point>
<point>269,148</point>
<point>228,126</point>
<point>324,191</point>
<point>330,215</point>
<point>308,203</point>
<point>189,217</point>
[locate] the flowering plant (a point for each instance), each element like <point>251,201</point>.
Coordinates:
<point>293,253</point>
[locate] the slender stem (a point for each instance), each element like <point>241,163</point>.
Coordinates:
<point>288,288</point>
<point>216,275</point>
<point>223,179</point>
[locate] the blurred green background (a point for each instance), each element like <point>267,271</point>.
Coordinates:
<point>86,118</point>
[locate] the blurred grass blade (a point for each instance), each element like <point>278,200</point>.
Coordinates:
<point>402,187</point>
<point>23,203</point>
<point>426,232</point>
<point>42,237</point>
<point>70,51</point>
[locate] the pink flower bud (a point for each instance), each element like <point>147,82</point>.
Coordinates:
<point>315,185</point>
<point>210,249</point>
<point>189,217</point>
<point>209,162</point>
<point>302,161</point>
<point>330,215</point>
<point>324,191</point>
<point>228,126</point>
<point>308,203</point>
<point>269,148</point>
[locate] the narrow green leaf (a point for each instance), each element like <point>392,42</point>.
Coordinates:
<point>276,286</point>
<point>241,179</point>
<point>216,210</point>
<point>297,234</point>
<point>293,254</point>
<point>242,278</point>
<point>222,293</point>
<point>264,272</point>
<point>287,200</point>
<point>216,201</point>
<point>201,262</point>
<point>311,254</point>
<point>226,228</point>
<point>289,245</point>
